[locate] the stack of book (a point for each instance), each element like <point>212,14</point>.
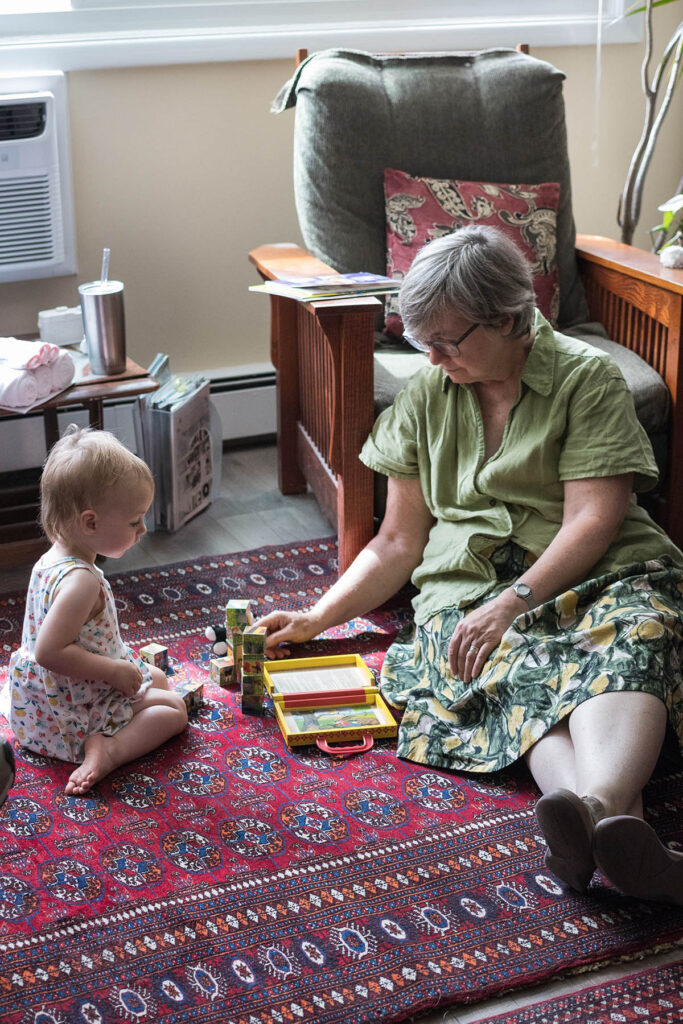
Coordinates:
<point>329,286</point>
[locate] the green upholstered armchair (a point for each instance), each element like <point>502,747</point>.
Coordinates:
<point>496,116</point>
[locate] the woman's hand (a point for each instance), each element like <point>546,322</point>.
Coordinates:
<point>287,628</point>
<point>480,632</point>
<point>125,677</point>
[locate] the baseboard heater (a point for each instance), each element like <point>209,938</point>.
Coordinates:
<point>245,404</point>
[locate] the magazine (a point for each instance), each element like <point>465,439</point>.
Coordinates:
<point>326,286</point>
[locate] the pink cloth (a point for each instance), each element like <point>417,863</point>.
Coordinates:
<point>42,375</point>
<point>26,355</point>
<point>63,370</point>
<point>23,388</point>
<point>18,388</point>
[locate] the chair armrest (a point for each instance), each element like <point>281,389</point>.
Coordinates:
<point>323,350</point>
<point>638,301</point>
<point>284,258</point>
<point>640,304</point>
<point>629,261</point>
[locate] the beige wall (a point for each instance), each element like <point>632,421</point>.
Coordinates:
<point>181,170</point>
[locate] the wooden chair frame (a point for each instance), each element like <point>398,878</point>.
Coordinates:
<point>323,355</point>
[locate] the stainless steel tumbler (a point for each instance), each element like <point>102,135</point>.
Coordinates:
<point>104,327</point>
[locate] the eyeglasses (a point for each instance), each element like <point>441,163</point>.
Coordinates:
<point>444,348</point>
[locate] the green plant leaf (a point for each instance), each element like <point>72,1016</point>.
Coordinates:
<point>638,8</point>
<point>672,205</point>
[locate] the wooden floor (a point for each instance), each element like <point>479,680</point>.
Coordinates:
<point>249,513</point>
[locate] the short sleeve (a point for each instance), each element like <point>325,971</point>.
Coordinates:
<point>392,447</point>
<point>604,436</point>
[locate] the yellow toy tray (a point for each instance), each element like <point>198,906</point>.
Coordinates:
<point>328,700</point>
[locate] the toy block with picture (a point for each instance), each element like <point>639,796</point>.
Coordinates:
<point>252,687</point>
<point>192,692</point>
<point>222,671</point>
<point>155,654</point>
<point>237,618</point>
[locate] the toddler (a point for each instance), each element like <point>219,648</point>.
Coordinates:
<point>77,691</point>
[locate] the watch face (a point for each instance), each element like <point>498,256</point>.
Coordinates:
<point>522,590</point>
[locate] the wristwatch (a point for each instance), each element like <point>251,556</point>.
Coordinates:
<point>524,591</point>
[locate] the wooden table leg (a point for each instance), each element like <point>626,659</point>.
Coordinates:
<point>95,415</point>
<point>50,426</point>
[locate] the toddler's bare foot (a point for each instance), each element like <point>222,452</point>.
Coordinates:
<point>99,761</point>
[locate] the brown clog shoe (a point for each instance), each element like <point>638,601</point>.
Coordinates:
<point>632,857</point>
<point>567,822</point>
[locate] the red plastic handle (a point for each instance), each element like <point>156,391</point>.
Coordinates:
<point>339,751</point>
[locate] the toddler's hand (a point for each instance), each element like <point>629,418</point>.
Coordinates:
<point>126,678</point>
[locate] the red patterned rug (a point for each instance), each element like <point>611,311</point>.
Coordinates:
<point>654,996</point>
<point>225,879</point>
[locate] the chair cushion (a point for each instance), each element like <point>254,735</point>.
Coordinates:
<point>421,209</point>
<point>495,115</point>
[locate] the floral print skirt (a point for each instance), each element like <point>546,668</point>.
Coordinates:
<point>621,631</point>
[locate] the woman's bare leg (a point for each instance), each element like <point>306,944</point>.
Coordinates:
<point>617,739</point>
<point>159,715</point>
<point>551,760</point>
<point>566,823</point>
<point>612,742</point>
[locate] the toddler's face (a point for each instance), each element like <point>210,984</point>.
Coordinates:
<point>120,519</point>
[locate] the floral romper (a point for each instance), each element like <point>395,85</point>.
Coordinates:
<point>53,714</point>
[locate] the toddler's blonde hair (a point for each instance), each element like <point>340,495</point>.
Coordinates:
<point>81,468</point>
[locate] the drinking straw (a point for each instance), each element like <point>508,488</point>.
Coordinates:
<point>105,264</point>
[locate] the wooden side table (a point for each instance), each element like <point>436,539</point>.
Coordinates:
<point>21,539</point>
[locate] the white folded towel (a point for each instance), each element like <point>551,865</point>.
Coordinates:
<point>26,355</point>
<point>42,375</point>
<point>63,370</point>
<point>18,388</point>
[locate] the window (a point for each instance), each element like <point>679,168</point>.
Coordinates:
<point>75,34</point>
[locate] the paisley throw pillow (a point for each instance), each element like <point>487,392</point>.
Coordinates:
<point>421,209</point>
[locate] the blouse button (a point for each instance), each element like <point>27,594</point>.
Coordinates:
<point>492,502</point>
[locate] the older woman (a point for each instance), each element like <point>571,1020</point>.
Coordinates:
<point>549,613</point>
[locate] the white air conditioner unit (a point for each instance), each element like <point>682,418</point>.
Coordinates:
<point>37,237</point>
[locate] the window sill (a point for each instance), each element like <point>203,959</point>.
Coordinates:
<point>73,40</point>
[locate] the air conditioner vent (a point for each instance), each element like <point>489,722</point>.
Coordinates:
<point>21,121</point>
<point>26,230</point>
<point>37,231</point>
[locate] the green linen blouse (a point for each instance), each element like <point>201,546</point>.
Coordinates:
<point>574,418</point>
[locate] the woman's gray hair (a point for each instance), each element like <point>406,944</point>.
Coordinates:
<point>477,272</point>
